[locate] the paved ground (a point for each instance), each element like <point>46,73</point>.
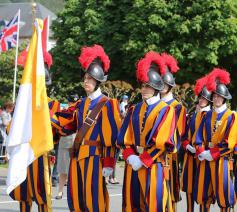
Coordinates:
<point>7,205</point>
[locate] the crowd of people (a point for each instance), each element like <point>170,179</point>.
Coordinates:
<point>5,119</point>
<point>92,131</point>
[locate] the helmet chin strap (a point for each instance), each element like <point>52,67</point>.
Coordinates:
<point>156,93</point>
<point>97,85</point>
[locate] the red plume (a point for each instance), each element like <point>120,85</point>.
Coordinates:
<point>171,62</point>
<point>48,58</point>
<point>200,83</point>
<point>144,64</point>
<point>217,75</point>
<point>88,54</point>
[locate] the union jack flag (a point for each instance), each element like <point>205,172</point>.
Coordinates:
<point>8,35</point>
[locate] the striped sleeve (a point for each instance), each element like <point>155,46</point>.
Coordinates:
<point>65,121</point>
<point>228,143</point>
<point>181,126</point>
<point>199,137</point>
<point>126,135</point>
<point>187,135</point>
<point>110,125</point>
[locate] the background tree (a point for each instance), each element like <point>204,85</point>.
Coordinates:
<point>201,34</point>
<point>7,65</point>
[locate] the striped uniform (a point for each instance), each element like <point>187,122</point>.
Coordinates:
<point>54,106</point>
<point>235,167</point>
<point>33,188</point>
<point>190,162</point>
<point>180,117</point>
<point>148,127</point>
<point>86,186</point>
<point>218,133</point>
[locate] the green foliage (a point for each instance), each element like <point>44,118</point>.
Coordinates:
<point>201,34</point>
<point>7,65</point>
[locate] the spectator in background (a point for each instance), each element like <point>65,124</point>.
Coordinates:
<point>54,106</point>
<point>123,105</point>
<point>63,158</point>
<point>112,177</point>
<point>5,119</point>
<point>65,143</point>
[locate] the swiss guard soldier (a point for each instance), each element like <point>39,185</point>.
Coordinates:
<point>189,144</point>
<point>146,136</point>
<point>180,115</point>
<point>34,186</point>
<point>96,119</point>
<point>218,135</point>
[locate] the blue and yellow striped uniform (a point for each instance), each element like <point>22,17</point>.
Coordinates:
<point>180,121</point>
<point>217,133</point>
<point>190,162</point>
<point>148,127</point>
<point>86,186</point>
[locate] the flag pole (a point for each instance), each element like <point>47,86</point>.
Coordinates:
<point>48,183</point>
<point>16,56</point>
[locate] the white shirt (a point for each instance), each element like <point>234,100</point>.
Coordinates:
<point>5,120</point>
<point>153,100</point>
<point>95,94</point>
<point>207,108</point>
<point>168,97</point>
<point>221,108</point>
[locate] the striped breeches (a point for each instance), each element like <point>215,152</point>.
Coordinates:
<point>235,174</point>
<point>86,189</point>
<point>33,188</point>
<point>146,190</point>
<point>214,182</point>
<point>174,177</point>
<point>187,179</point>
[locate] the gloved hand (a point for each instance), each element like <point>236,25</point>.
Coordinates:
<point>208,155</point>
<point>190,148</point>
<point>201,156</point>
<point>135,162</point>
<point>107,171</point>
<point>205,155</point>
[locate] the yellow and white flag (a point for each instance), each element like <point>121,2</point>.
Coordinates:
<point>30,134</point>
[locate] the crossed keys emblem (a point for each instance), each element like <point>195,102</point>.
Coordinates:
<point>216,125</point>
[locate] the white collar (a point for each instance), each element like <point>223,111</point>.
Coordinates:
<point>207,108</point>
<point>95,94</point>
<point>221,108</point>
<point>167,97</point>
<point>153,100</point>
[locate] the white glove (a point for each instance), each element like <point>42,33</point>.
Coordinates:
<point>208,155</point>
<point>205,155</point>
<point>107,171</point>
<point>201,156</point>
<point>190,148</point>
<point>135,162</point>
